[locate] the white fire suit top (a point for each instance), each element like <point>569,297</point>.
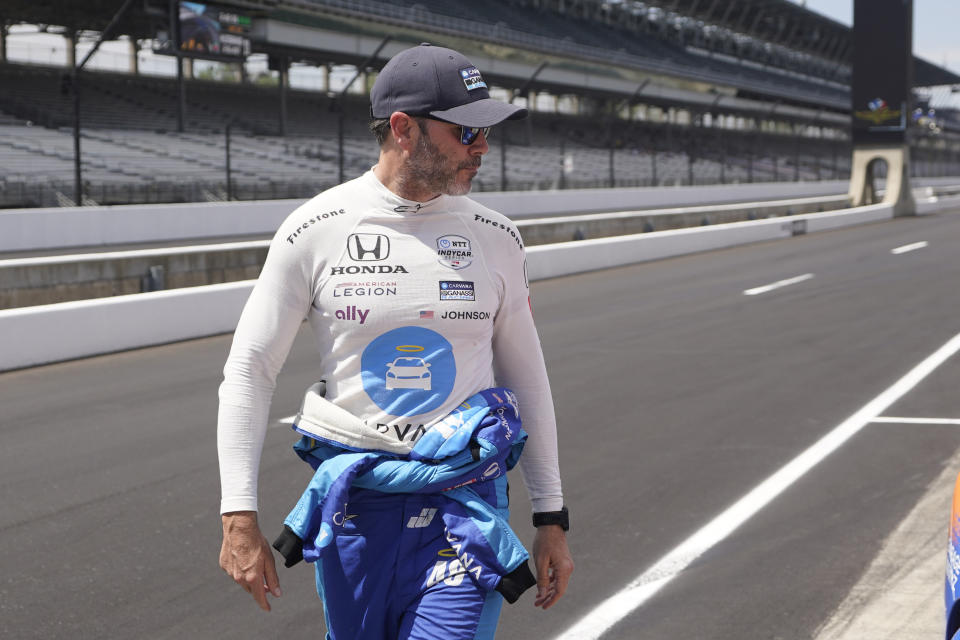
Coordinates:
<point>414,307</point>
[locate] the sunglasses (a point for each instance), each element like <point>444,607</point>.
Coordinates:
<point>468,135</point>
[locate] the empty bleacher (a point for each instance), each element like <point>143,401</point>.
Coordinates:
<point>131,151</point>
<point>549,31</point>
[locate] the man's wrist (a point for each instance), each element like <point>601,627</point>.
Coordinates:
<point>560,518</point>
<point>239,519</point>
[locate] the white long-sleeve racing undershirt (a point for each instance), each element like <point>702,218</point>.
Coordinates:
<point>414,307</point>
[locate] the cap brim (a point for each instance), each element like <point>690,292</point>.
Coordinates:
<point>481,113</point>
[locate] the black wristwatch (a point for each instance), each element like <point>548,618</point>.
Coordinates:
<point>561,518</point>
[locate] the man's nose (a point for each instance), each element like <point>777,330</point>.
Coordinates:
<point>480,146</point>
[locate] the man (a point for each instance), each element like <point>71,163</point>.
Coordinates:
<point>418,299</point>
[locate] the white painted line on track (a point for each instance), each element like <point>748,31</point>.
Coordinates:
<point>891,420</point>
<point>776,285</point>
<point>605,615</point>
<point>909,247</point>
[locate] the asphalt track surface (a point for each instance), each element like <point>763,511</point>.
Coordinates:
<point>676,394</point>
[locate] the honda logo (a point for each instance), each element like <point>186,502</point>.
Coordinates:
<point>368,247</point>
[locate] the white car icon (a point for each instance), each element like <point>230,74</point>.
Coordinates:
<point>408,373</point>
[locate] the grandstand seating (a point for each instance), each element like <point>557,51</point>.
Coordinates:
<point>128,164</point>
<point>543,29</point>
<point>131,151</point>
<point>123,161</point>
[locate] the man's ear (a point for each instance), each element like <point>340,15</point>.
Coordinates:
<point>403,126</point>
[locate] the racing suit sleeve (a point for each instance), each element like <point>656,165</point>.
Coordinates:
<point>518,365</point>
<point>266,330</point>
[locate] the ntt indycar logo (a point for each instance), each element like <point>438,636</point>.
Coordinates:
<point>454,252</point>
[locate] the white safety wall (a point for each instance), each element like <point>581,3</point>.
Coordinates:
<point>65,227</point>
<point>63,331</point>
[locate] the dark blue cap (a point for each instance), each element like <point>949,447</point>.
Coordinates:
<point>428,80</point>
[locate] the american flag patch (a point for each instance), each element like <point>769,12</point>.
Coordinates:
<point>426,315</point>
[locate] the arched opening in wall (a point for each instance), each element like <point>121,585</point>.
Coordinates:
<point>876,172</point>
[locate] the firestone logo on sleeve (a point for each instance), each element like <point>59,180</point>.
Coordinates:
<point>306,224</point>
<point>457,290</point>
<point>454,251</point>
<point>499,225</point>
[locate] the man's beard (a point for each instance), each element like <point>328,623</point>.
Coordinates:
<point>429,170</point>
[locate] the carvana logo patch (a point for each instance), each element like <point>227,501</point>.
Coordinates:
<point>408,371</point>
<point>472,78</point>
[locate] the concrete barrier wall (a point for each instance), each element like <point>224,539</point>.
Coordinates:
<point>51,333</point>
<point>64,227</point>
<point>538,231</point>
<point>836,219</point>
<point>59,228</point>
<point>68,330</point>
<point>932,205</point>
<point>553,260</point>
<point>41,280</point>
<point>523,204</point>
<point>48,279</point>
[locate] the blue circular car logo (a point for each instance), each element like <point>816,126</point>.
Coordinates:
<point>408,371</point>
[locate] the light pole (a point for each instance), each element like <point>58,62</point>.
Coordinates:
<point>75,87</point>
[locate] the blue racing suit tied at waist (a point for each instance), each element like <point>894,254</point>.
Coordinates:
<point>477,442</point>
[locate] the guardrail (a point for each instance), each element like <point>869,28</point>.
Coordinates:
<point>67,227</point>
<point>51,333</point>
<point>79,276</point>
<point>549,261</point>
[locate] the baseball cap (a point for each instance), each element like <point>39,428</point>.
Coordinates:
<point>428,80</point>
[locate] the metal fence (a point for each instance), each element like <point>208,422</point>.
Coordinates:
<point>298,171</point>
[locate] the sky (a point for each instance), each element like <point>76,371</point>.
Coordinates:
<point>935,25</point>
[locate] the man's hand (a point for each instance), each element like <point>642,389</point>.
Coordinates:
<point>554,564</point>
<point>247,558</point>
